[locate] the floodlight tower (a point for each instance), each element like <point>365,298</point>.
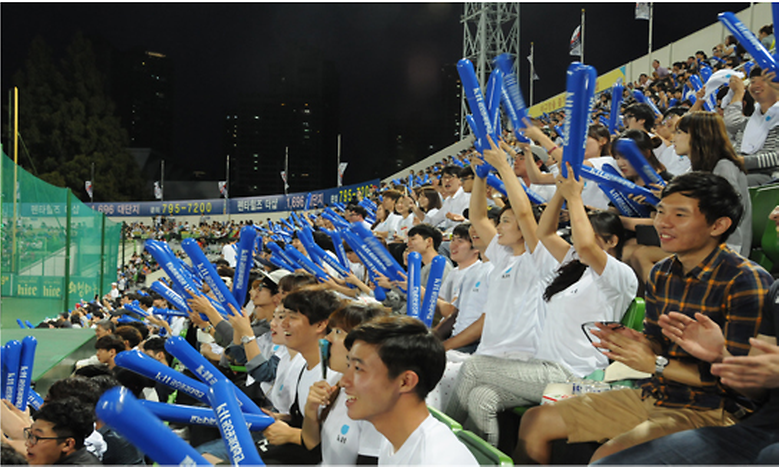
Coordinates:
<point>489,29</point>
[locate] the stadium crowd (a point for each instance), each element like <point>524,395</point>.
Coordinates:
<point>540,268</point>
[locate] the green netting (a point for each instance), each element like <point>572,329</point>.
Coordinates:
<point>51,239</point>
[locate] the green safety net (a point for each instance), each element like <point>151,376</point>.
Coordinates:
<point>56,251</point>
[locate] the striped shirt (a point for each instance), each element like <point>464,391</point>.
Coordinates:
<point>726,287</point>
<point>764,160</point>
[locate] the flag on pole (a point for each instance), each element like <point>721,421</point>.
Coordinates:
<point>284,177</point>
<point>88,187</point>
<point>533,67</point>
<point>341,169</point>
<point>223,189</point>
<point>157,190</point>
<point>576,41</point>
<point>642,10</point>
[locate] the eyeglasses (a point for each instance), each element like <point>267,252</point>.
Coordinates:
<point>32,439</point>
<point>590,326</point>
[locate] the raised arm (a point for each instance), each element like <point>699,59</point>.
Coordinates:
<point>584,239</point>
<point>547,228</point>
<point>477,211</point>
<point>520,204</point>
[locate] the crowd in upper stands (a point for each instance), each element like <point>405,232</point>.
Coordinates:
<point>540,267</point>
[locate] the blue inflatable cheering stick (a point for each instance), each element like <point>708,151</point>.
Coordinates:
<point>244,263</point>
<point>628,148</point>
<point>223,295</point>
<point>579,101</point>
<point>414,285</point>
<point>121,411</point>
<point>434,281</point>
<point>748,40</point>
<point>232,424</point>
<point>617,94</point>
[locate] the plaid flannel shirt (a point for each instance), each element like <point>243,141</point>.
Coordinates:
<point>726,287</point>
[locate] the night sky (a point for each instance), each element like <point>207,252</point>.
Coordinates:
<point>388,56</point>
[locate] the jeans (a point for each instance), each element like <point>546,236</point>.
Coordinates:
<point>736,444</point>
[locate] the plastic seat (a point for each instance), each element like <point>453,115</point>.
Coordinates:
<point>484,452</point>
<point>764,201</point>
<point>445,419</point>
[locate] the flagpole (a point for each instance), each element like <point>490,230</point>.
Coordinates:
<point>582,55</point>
<point>532,73</point>
<point>92,182</point>
<point>162,180</point>
<point>286,168</point>
<point>227,188</point>
<point>338,166</point>
<point>651,7</point>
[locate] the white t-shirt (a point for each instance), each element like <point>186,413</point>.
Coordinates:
<point>455,204</point>
<point>514,309</point>
<point>401,230</point>
<point>229,254</point>
<point>282,393</point>
<point>390,224</point>
<point>674,163</point>
<point>473,295</point>
<point>592,195</point>
<point>432,443</point>
<point>343,439</point>
<point>309,378</point>
<point>451,286</point>
<point>591,298</point>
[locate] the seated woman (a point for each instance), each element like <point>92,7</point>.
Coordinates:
<point>591,285</point>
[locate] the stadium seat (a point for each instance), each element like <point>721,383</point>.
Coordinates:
<point>445,419</point>
<point>484,452</point>
<point>764,200</point>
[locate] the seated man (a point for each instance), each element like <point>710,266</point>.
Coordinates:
<point>393,363</point>
<point>696,214</point>
<point>756,136</point>
<point>108,347</point>
<point>754,440</point>
<point>456,200</point>
<point>58,432</point>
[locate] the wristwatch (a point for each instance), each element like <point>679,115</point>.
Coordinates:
<point>246,339</point>
<point>660,364</point>
<point>208,328</point>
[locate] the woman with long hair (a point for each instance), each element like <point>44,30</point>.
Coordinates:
<point>646,146</point>
<point>703,138</point>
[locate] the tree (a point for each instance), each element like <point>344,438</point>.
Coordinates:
<point>68,122</point>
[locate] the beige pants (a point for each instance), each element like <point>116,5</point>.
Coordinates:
<point>622,415</point>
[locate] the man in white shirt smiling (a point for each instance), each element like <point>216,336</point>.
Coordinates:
<point>393,363</point>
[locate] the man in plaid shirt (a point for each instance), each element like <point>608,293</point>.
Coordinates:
<point>697,213</point>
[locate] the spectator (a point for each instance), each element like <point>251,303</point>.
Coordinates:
<point>756,137</point>
<point>395,362</point>
<point>58,432</point>
<point>696,214</point>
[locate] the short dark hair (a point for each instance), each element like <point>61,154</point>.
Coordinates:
<point>140,327</point>
<point>642,112</point>
<point>69,417</point>
<point>75,386</point>
<point>466,172</point>
<point>462,231</point>
<point>296,280</point>
<point>314,304</point>
<point>404,344</point>
<point>716,197</point>
<point>129,334</point>
<point>675,110</point>
<point>354,314</point>
<point>111,341</point>
<point>427,231</point>
<point>452,170</point>
<point>358,210</point>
